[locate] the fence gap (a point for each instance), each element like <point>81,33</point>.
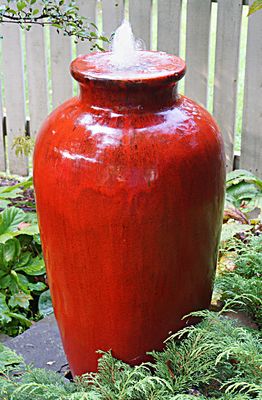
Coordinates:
<point>182,47</point>
<point>241,81</point>
<point>212,52</point>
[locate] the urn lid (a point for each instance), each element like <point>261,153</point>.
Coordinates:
<point>152,67</point>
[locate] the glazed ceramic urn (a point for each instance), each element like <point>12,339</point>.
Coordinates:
<point>129,181</point>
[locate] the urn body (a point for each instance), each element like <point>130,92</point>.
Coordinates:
<point>129,181</point>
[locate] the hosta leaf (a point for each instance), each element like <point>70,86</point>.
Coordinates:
<point>20,299</point>
<point>34,268</point>
<point>37,287</point>
<point>10,219</point>
<point>30,229</point>
<point>11,250</point>
<point>241,175</point>
<point>25,321</point>
<point>45,304</point>
<point>4,194</point>
<point>24,259</point>
<point>18,281</point>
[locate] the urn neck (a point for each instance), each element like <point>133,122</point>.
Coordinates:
<point>149,85</point>
<point>125,98</point>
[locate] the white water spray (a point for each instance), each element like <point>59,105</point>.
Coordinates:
<point>124,49</point>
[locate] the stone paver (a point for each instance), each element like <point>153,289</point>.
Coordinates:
<point>40,345</point>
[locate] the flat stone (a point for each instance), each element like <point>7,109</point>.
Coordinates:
<point>4,338</point>
<point>41,345</point>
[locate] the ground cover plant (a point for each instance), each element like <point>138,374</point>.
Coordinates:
<point>22,269</point>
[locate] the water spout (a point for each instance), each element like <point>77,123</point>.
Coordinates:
<point>124,52</point>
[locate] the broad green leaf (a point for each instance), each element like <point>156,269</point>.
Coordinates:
<point>45,303</point>
<point>241,175</point>
<point>21,318</point>
<point>37,287</point>
<point>19,281</point>
<point>20,5</point>
<point>229,230</point>
<point>5,237</point>
<point>11,250</point>
<point>28,230</point>
<point>4,194</point>
<point>35,267</point>
<point>10,219</point>
<point>3,203</point>
<point>20,299</point>
<point>24,259</point>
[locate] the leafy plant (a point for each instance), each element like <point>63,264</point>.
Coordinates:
<point>23,145</point>
<point>243,190</point>
<point>62,15</point>
<point>22,269</point>
<point>243,277</point>
<point>20,194</point>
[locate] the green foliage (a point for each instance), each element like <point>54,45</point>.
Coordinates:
<point>245,278</point>
<point>22,269</point>
<point>257,5</point>
<point>215,359</point>
<point>243,190</point>
<point>62,15</point>
<point>20,195</point>
<point>23,145</point>
<point>8,358</point>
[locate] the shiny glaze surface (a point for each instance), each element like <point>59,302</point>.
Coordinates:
<point>129,201</point>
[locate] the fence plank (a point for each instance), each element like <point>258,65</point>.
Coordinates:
<point>13,75</point>
<point>37,78</point>
<point>197,49</point>
<point>87,9</point>
<point>251,145</point>
<point>226,71</point>
<point>61,56</point>
<point>168,27</point>
<point>2,147</point>
<point>140,19</point>
<point>113,15</point>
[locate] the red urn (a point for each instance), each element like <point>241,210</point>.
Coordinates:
<point>129,181</point>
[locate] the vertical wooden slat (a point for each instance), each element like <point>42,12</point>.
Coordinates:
<point>168,26</point>
<point>87,9</point>
<point>61,56</point>
<point>2,147</point>
<point>113,15</point>
<point>37,78</point>
<point>140,19</point>
<point>226,71</point>
<point>13,75</point>
<point>251,145</point>
<point>197,49</point>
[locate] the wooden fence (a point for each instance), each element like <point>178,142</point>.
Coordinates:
<point>35,74</point>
